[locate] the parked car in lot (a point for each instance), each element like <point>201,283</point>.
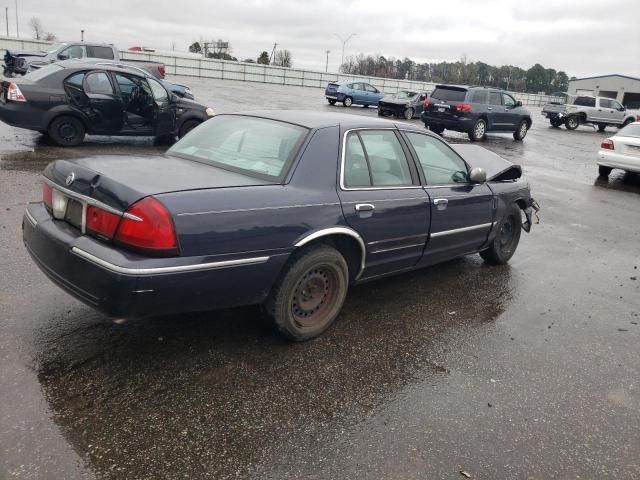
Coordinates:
<point>22,62</point>
<point>246,209</point>
<point>475,111</point>
<point>68,99</point>
<point>352,93</point>
<point>405,103</point>
<point>602,112</point>
<point>621,151</point>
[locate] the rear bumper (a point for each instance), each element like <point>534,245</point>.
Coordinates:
<point>22,115</point>
<point>458,124</point>
<point>392,108</point>
<point>120,284</point>
<point>622,161</point>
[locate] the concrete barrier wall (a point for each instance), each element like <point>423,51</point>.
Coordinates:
<point>194,66</point>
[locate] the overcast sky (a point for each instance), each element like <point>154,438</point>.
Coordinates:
<point>581,37</point>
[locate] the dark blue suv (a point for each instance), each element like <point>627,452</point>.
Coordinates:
<point>476,111</point>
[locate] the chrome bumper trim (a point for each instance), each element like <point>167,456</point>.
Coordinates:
<point>461,230</point>
<point>32,220</point>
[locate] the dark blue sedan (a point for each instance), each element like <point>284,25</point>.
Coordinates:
<point>285,209</point>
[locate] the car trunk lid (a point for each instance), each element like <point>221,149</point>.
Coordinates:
<point>443,100</point>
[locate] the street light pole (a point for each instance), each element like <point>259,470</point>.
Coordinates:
<point>17,27</point>
<point>326,67</point>
<point>344,42</point>
<point>6,16</point>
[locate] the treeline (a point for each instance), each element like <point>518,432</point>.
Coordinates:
<point>534,80</point>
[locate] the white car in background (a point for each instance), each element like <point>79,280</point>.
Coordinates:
<point>621,151</point>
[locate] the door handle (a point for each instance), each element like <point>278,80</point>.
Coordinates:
<point>365,207</point>
<point>489,108</point>
<point>441,203</point>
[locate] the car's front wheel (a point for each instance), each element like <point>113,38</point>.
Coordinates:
<point>347,102</point>
<point>408,113</point>
<point>604,171</point>
<point>187,127</point>
<point>507,238</point>
<point>310,293</point>
<point>437,129</point>
<point>331,101</point>
<point>555,122</point>
<point>521,131</point>
<point>67,131</point>
<point>478,131</point>
<point>627,122</point>
<point>601,128</point>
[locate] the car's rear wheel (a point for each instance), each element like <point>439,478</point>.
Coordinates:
<point>601,128</point>
<point>437,129</point>
<point>347,102</point>
<point>604,171</point>
<point>521,131</point>
<point>572,122</point>
<point>187,127</point>
<point>555,122</point>
<point>331,101</point>
<point>67,131</point>
<point>408,113</point>
<point>507,238</point>
<point>310,293</point>
<point>478,131</point>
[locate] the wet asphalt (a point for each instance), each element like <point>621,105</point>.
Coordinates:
<point>525,371</point>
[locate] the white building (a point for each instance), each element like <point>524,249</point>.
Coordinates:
<point>623,88</point>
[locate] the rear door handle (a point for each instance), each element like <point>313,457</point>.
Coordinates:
<point>365,207</point>
<point>441,203</point>
<point>489,108</point>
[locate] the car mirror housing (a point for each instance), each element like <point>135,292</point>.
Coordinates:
<point>518,103</point>
<point>62,56</point>
<point>478,175</point>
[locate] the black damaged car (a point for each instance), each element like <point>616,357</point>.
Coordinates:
<point>69,99</point>
<point>405,103</point>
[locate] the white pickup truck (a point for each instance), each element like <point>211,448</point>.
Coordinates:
<point>599,111</point>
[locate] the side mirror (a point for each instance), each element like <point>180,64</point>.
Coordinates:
<point>518,103</point>
<point>62,56</point>
<point>423,97</point>
<point>174,98</point>
<point>478,175</point>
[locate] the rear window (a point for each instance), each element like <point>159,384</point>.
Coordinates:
<point>631,130</point>
<point>255,146</point>
<point>100,52</point>
<point>43,72</point>
<point>479,96</point>
<point>585,101</point>
<point>449,94</point>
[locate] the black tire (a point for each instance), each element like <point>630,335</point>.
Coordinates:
<point>604,171</point>
<point>67,131</point>
<point>408,113</point>
<point>555,122</point>
<point>380,112</point>
<point>332,101</point>
<point>627,122</point>
<point>365,106</point>
<point>437,129</point>
<point>309,293</point>
<point>572,122</point>
<point>187,126</point>
<point>507,238</point>
<point>347,102</point>
<point>478,131</point>
<point>601,128</point>
<point>521,131</point>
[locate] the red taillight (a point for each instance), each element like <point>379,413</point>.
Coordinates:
<point>47,195</point>
<point>14,94</point>
<point>101,222</point>
<point>151,227</point>
<point>161,70</point>
<point>427,103</point>
<point>607,144</point>
<point>463,107</point>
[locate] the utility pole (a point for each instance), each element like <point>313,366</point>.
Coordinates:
<point>17,27</point>
<point>326,67</point>
<point>6,16</point>
<point>344,42</point>
<point>82,35</point>
<point>273,53</point>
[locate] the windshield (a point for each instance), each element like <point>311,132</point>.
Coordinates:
<point>254,146</point>
<point>449,94</point>
<point>631,130</point>
<point>42,72</point>
<point>405,94</point>
<point>53,48</point>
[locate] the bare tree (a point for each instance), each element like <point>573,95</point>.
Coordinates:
<point>36,26</point>
<point>283,58</point>
<point>50,37</point>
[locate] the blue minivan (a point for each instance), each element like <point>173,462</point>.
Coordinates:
<point>352,93</point>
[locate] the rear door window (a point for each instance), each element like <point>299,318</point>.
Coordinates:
<point>495,98</point>
<point>75,51</point>
<point>98,83</point>
<point>449,94</point>
<point>100,52</point>
<point>585,101</point>
<point>356,170</point>
<point>480,96</point>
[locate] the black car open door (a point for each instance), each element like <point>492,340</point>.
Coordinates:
<point>105,107</point>
<point>164,119</point>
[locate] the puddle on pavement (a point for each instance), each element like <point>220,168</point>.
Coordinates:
<point>220,391</point>
<point>621,181</point>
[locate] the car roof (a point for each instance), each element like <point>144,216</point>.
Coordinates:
<point>314,120</point>
<point>75,64</point>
